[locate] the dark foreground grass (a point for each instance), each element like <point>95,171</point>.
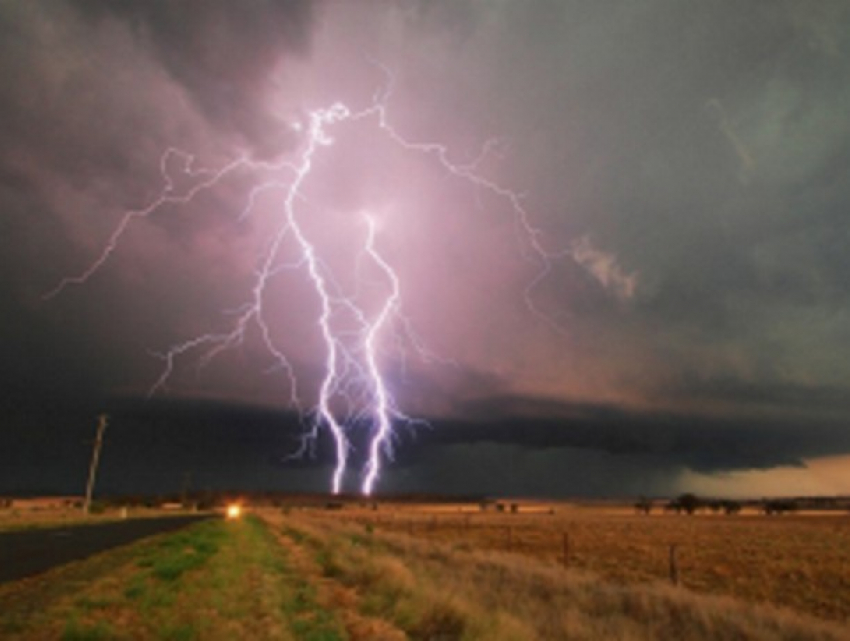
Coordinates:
<point>213,580</point>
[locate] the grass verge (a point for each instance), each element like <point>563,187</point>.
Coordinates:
<point>214,580</point>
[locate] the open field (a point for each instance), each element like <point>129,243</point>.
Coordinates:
<point>319,575</point>
<point>800,561</point>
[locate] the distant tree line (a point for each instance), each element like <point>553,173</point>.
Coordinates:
<point>690,503</point>
<point>779,506</point>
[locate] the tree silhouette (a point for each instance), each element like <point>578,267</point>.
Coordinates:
<point>689,502</point>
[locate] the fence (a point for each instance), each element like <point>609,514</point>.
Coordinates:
<point>484,532</point>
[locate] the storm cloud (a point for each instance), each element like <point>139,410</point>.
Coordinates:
<point>683,164</point>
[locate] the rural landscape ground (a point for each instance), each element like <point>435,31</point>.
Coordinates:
<point>418,571</point>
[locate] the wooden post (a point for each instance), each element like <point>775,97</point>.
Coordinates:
<point>674,565</point>
<point>184,492</point>
<point>95,458</point>
<point>566,547</point>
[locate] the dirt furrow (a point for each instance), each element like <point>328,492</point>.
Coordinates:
<point>332,594</point>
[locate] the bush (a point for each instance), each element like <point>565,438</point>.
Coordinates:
<point>442,621</point>
<point>690,503</point>
<point>643,505</point>
<point>731,507</point>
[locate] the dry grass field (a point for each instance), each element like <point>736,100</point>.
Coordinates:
<point>320,575</point>
<point>799,561</point>
<point>431,588</point>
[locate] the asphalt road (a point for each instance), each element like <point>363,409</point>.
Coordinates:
<point>25,553</point>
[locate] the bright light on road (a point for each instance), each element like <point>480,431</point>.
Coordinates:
<point>234,511</point>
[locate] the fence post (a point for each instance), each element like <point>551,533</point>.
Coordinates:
<point>674,565</point>
<point>95,458</point>
<point>566,545</point>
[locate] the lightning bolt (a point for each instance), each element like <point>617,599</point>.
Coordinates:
<point>383,401</point>
<point>353,389</point>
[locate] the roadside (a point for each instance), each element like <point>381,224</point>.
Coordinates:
<point>29,552</point>
<point>213,580</point>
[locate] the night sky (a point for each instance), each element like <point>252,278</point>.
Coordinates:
<point>684,165</point>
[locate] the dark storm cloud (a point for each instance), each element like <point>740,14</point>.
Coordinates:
<point>588,450</point>
<point>702,146</point>
<point>222,52</point>
<point>827,400</point>
<point>93,92</point>
<point>691,157</point>
<point>158,446</point>
<point>695,441</point>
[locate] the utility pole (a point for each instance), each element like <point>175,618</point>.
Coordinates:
<point>95,458</point>
<point>184,492</point>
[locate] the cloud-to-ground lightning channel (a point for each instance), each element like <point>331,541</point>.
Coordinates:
<point>383,406</point>
<point>352,378</point>
<point>316,137</point>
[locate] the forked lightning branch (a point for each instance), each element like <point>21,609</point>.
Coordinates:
<point>352,374</point>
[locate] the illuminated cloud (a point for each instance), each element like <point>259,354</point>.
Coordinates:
<point>604,268</point>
